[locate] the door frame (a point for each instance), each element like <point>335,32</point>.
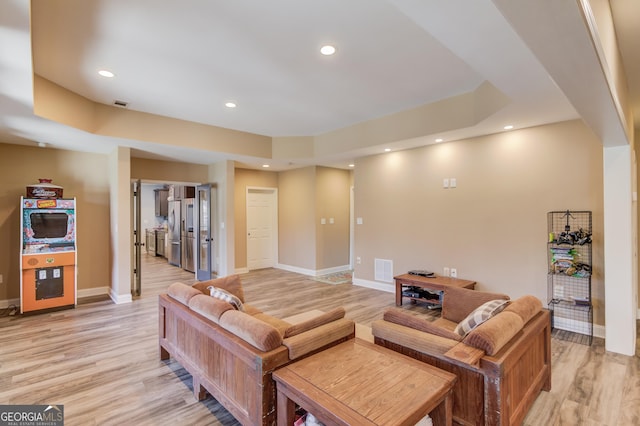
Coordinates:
<point>274,221</point>
<point>352,228</point>
<point>136,203</point>
<point>204,274</point>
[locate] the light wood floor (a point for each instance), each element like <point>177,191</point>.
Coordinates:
<point>100,360</point>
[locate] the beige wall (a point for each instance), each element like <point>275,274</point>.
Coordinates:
<point>168,171</point>
<point>59,104</point>
<point>492,227</point>
<point>247,178</point>
<point>305,196</point>
<point>297,218</point>
<point>332,201</point>
<point>82,175</point>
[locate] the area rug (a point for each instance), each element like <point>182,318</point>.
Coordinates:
<point>343,277</point>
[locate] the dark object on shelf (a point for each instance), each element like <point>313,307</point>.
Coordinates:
<point>580,237</point>
<point>422,294</point>
<point>422,273</point>
<point>409,293</point>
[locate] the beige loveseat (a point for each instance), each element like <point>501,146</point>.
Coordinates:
<point>232,353</point>
<point>501,364</point>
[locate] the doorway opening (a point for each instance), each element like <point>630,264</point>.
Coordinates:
<point>157,235</point>
<point>262,227</point>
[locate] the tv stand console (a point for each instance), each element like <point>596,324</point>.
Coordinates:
<point>435,284</point>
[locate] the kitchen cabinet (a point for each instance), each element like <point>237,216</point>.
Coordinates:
<point>150,241</point>
<point>161,237</point>
<point>162,205</point>
<point>156,242</point>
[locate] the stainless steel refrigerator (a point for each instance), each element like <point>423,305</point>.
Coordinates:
<point>188,240</point>
<point>174,251</point>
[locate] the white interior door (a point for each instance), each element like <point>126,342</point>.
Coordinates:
<point>262,227</point>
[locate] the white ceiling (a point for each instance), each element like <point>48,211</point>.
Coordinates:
<point>186,59</point>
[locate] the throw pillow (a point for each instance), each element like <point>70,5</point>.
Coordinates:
<point>230,283</point>
<point>221,294</point>
<point>481,314</point>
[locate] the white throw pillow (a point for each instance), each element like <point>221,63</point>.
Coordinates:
<point>480,315</point>
<point>224,295</point>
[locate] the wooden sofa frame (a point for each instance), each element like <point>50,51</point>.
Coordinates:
<point>500,389</point>
<point>235,373</point>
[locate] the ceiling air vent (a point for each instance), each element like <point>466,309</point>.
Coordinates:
<point>121,104</point>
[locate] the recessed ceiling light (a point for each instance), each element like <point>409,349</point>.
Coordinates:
<point>352,165</point>
<point>106,73</point>
<point>230,104</point>
<point>266,166</point>
<point>387,149</point>
<point>509,127</point>
<point>439,140</point>
<point>327,50</point>
<point>42,144</point>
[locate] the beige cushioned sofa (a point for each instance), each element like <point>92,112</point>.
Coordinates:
<point>501,364</point>
<point>232,353</point>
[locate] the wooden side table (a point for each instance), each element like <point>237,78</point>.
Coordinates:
<point>436,283</point>
<point>359,383</point>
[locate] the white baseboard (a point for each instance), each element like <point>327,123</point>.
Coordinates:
<point>85,292</point>
<point>90,292</point>
<point>120,298</point>
<point>4,304</point>
<point>333,270</point>
<point>576,326</point>
<point>599,331</point>
<point>389,288</point>
<point>295,269</point>
<point>313,272</point>
<point>241,270</point>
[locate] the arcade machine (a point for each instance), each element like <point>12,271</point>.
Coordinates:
<point>49,254</point>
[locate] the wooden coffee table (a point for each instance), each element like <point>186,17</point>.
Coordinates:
<point>359,383</point>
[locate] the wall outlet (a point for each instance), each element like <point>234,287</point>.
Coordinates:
<point>445,271</point>
<point>454,272</point>
<point>358,260</point>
